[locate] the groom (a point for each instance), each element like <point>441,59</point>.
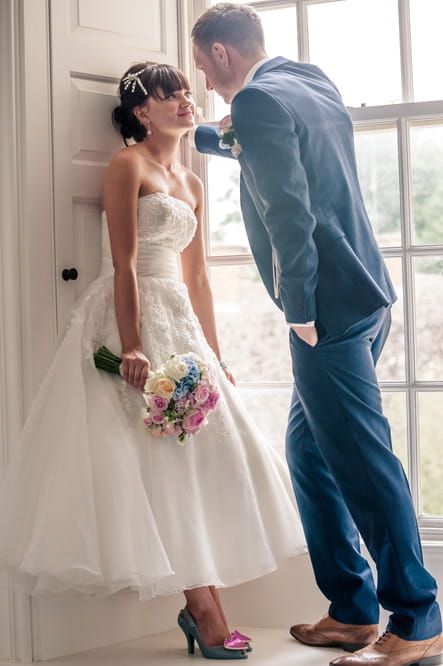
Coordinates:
<point>315,250</point>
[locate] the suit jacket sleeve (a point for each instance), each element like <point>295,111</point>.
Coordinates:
<point>271,152</point>
<point>207,139</point>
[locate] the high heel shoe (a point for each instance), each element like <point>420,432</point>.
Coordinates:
<point>187,624</point>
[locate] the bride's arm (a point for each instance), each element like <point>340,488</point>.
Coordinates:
<point>195,276</point>
<point>120,195</point>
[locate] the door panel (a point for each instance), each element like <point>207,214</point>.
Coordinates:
<point>92,43</point>
<point>141,22</point>
<point>86,242</point>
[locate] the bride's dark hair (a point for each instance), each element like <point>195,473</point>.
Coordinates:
<point>138,83</point>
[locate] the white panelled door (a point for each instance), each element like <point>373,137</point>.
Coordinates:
<point>92,43</point>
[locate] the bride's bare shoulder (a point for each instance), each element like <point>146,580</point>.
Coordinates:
<point>192,181</point>
<point>125,155</point>
<point>125,163</point>
<point>124,174</point>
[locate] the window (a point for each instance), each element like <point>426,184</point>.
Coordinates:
<point>383,55</point>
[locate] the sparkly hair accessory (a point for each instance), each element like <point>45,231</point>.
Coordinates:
<point>131,80</point>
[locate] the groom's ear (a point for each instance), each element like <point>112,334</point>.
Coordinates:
<point>220,53</point>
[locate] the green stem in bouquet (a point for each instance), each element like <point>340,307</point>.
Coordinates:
<point>104,359</point>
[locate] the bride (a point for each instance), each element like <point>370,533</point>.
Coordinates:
<point>92,503</point>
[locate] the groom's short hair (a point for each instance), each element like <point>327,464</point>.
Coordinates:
<point>230,23</point>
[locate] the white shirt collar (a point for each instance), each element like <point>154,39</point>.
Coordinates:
<point>250,75</point>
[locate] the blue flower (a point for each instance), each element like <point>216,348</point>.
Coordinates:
<point>183,387</point>
<point>194,372</point>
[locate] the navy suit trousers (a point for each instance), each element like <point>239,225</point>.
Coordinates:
<point>349,483</point>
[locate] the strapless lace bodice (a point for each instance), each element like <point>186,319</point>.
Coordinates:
<point>166,225</point>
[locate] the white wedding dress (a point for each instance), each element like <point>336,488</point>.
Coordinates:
<point>92,503</point>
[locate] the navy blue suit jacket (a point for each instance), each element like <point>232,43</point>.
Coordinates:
<point>300,197</point>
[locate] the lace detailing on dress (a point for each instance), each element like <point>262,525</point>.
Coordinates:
<point>165,225</point>
<point>165,220</point>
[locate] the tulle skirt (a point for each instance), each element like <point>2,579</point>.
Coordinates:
<point>92,504</point>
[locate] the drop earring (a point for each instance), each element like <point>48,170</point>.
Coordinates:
<point>148,129</point>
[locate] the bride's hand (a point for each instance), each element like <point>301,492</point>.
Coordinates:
<point>225,122</point>
<point>229,375</point>
<point>135,368</point>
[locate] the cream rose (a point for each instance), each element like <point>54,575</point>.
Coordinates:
<point>175,368</point>
<point>161,386</point>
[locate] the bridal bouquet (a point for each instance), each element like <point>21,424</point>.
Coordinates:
<point>178,396</point>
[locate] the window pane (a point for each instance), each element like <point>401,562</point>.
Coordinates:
<point>221,109</point>
<point>253,333</point>
<point>280,28</point>
<point>394,407</point>
<point>391,366</point>
<point>427,49</point>
<point>269,409</point>
<point>428,274</point>
<point>427,178</point>
<point>377,160</point>
<point>356,43</point>
<point>430,410</point>
<point>227,232</point>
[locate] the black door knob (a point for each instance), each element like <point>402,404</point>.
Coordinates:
<point>69,274</point>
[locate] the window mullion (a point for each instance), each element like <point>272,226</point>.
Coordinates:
<point>302,31</point>
<point>231,260</point>
<point>413,449</point>
<point>404,19</point>
<point>406,233</point>
<point>409,309</point>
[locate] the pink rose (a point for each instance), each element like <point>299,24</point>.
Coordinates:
<point>193,421</point>
<point>169,429</point>
<point>212,401</point>
<point>181,404</point>
<point>201,393</point>
<point>192,402</point>
<point>214,398</point>
<point>157,418</point>
<point>157,402</point>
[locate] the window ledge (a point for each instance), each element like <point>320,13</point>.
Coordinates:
<point>432,536</point>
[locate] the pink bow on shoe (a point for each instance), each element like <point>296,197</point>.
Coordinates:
<point>235,644</point>
<point>237,634</point>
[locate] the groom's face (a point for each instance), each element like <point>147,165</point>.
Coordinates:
<point>218,77</point>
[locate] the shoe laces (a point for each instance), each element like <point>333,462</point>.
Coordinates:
<point>383,638</point>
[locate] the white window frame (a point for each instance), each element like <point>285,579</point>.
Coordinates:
<point>402,116</point>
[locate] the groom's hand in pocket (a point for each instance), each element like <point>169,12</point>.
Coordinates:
<point>306,333</point>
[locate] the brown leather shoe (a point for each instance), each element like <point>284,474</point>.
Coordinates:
<point>390,650</point>
<point>327,632</point>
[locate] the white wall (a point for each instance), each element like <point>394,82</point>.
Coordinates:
<point>14,609</point>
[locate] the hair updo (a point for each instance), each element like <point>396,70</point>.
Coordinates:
<point>139,82</point>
